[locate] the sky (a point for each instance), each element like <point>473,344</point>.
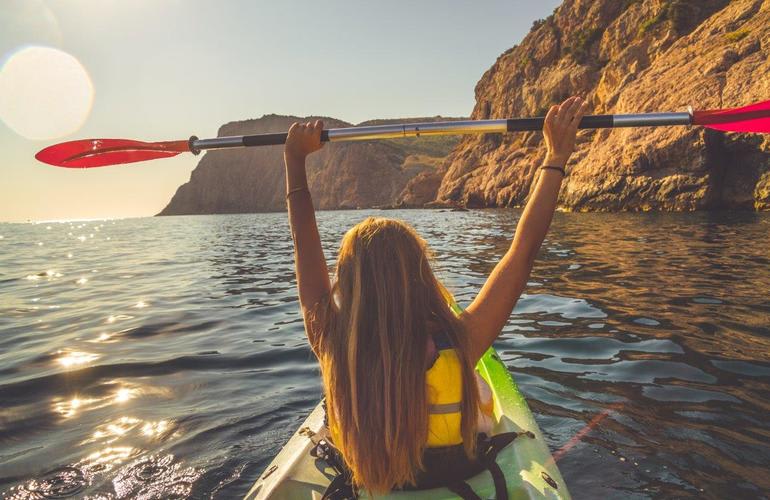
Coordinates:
<point>168,69</point>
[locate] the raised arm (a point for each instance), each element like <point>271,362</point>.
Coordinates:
<point>312,273</point>
<point>490,310</point>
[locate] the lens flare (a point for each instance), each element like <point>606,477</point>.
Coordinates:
<point>45,93</point>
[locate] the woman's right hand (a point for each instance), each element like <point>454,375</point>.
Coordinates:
<point>303,139</point>
<point>560,129</point>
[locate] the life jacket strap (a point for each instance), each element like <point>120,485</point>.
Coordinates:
<point>445,408</point>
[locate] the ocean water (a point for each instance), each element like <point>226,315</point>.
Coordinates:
<point>166,358</point>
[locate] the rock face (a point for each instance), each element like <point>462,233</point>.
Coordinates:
<point>626,56</point>
<point>341,175</point>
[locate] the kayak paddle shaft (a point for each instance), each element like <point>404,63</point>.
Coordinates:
<point>394,131</point>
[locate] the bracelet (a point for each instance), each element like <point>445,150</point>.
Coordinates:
<point>553,167</point>
<point>297,190</point>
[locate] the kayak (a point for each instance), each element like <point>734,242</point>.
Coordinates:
<point>529,469</point>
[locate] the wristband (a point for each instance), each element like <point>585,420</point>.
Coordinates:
<point>553,167</point>
<point>297,190</point>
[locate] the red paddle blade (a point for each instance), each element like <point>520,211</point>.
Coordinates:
<point>754,118</point>
<point>89,153</point>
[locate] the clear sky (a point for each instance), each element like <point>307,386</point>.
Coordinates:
<point>167,69</point>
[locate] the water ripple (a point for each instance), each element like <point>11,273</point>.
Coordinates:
<point>166,358</point>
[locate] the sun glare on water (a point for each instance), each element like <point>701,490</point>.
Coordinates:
<point>76,358</point>
<point>45,93</point>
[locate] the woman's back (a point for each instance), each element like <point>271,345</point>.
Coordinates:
<point>375,328</point>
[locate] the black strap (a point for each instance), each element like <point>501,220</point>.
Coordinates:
<point>331,455</point>
<point>441,341</point>
<point>339,489</point>
<point>491,446</point>
<point>494,445</point>
<point>462,490</point>
<point>501,487</point>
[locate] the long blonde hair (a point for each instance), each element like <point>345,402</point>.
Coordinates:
<point>372,348</point>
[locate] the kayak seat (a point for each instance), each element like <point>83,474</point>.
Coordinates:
<point>450,467</point>
<point>446,467</point>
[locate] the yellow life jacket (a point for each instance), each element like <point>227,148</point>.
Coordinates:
<point>444,383</point>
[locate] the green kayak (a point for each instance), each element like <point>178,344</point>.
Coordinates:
<point>529,469</point>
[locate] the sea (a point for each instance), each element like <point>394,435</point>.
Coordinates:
<point>165,357</point>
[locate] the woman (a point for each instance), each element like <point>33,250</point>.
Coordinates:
<point>397,363</point>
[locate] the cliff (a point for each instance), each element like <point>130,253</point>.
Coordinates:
<point>341,175</point>
<point>627,56</point>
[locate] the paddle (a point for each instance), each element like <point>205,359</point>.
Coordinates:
<point>87,153</point>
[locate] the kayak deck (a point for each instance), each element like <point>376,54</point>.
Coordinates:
<point>529,469</point>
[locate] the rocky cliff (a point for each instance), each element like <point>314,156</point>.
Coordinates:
<point>627,56</point>
<point>355,175</point>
